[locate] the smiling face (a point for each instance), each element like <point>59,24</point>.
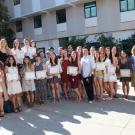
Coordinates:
<point>16,44</point>
<point>123,54</point>
<point>26,42</point>
<point>73,55</point>
<point>26,60</point>
<point>11,60</point>
<point>3,43</point>
<point>52,55</point>
<point>107,51</point>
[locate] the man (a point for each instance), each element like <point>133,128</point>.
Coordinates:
<point>87,66</point>
<point>60,52</point>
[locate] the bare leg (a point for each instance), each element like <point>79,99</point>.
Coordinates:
<point>1,105</point>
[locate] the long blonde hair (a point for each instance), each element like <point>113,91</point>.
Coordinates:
<point>133,50</point>
<point>6,47</point>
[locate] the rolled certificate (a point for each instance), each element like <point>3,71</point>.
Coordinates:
<point>71,70</point>
<point>12,76</point>
<point>41,74</point>
<point>30,76</point>
<point>100,66</point>
<point>125,73</point>
<point>54,70</point>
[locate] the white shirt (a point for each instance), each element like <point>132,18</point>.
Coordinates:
<point>29,51</point>
<point>87,65</point>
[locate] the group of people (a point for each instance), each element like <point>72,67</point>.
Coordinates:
<point>27,74</point>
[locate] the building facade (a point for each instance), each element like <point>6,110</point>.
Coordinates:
<point>49,22</point>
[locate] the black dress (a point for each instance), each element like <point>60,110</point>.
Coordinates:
<point>3,57</point>
<point>125,65</point>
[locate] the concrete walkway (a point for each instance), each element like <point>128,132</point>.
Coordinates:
<point>115,117</point>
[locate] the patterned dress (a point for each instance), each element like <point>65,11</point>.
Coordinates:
<point>28,85</point>
<point>41,85</point>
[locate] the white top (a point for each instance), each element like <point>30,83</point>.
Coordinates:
<point>18,55</point>
<point>29,51</point>
<point>87,65</point>
<point>112,70</point>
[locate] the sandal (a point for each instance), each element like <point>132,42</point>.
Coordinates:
<point>15,110</point>
<point>19,109</point>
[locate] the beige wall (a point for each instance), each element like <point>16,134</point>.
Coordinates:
<point>108,15</point>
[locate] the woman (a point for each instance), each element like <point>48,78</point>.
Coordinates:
<point>28,84</point>
<point>125,66</point>
<point>65,62</point>
<point>112,77</point>
<point>4,50</point>
<point>2,80</point>
<point>40,83</point>
<point>17,53</point>
<point>13,86</point>
<point>108,60</point>
<point>98,76</point>
<point>133,67</point>
<point>115,54</point>
<point>75,77</point>
<point>54,71</point>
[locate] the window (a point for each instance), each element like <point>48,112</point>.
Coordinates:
<point>37,22</point>
<point>16,2</point>
<point>63,41</point>
<point>19,26</point>
<point>90,9</point>
<point>61,16</point>
<point>127,5</point>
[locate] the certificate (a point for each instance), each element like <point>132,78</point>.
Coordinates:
<point>100,66</point>
<point>125,73</point>
<point>54,70</point>
<point>41,74</point>
<point>30,76</point>
<point>12,76</point>
<point>20,55</point>
<point>72,70</point>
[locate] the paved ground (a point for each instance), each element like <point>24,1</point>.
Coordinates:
<point>115,117</point>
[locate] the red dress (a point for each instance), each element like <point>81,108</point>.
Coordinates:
<point>64,75</point>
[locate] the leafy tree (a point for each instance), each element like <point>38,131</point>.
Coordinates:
<point>106,41</point>
<point>5,31</point>
<point>75,42</point>
<point>128,43</point>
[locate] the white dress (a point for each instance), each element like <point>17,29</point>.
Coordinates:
<point>28,85</point>
<point>13,87</point>
<point>106,75</point>
<point>112,74</point>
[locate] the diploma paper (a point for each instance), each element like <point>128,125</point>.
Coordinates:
<point>100,66</point>
<point>41,74</point>
<point>20,55</point>
<point>30,76</point>
<point>72,70</point>
<point>125,73</point>
<point>12,77</point>
<point>54,70</point>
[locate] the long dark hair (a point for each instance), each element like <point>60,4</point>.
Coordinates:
<point>8,63</point>
<point>110,57</point>
<point>76,60</point>
<point>55,61</point>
